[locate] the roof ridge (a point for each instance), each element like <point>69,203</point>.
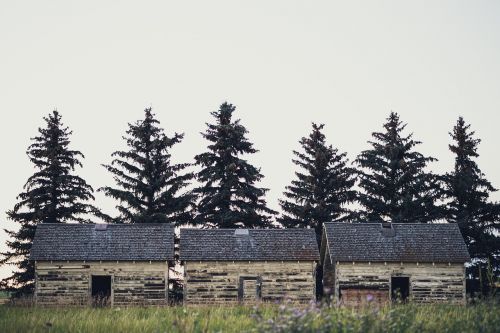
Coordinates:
<point>398,223</point>
<point>250,229</point>
<point>109,224</point>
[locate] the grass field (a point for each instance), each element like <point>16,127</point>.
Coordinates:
<point>408,318</point>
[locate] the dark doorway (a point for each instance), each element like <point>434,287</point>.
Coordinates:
<point>101,290</point>
<point>319,283</point>
<point>400,288</point>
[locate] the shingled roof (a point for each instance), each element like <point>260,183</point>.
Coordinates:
<point>401,242</point>
<point>248,244</point>
<point>61,241</point>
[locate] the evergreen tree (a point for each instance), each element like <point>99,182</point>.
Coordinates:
<point>394,184</point>
<point>149,187</point>
<point>228,195</point>
<point>468,202</point>
<point>53,194</point>
<point>323,187</point>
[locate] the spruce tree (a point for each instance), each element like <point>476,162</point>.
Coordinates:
<point>53,194</point>
<point>395,186</point>
<point>228,195</point>
<point>149,187</point>
<point>322,188</point>
<point>467,192</point>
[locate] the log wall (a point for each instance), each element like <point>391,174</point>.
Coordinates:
<point>429,283</point>
<point>210,282</point>
<point>69,283</point>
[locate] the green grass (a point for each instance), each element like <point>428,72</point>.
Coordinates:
<point>408,318</point>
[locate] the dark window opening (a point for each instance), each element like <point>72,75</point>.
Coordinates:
<point>400,288</point>
<point>101,290</point>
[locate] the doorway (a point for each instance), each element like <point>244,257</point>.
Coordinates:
<point>101,290</point>
<point>400,288</point>
<point>249,290</point>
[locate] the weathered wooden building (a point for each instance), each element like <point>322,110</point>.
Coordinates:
<point>380,263</point>
<point>231,266</point>
<point>115,264</point>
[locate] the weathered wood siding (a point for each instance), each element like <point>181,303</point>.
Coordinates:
<point>429,283</point>
<point>210,282</point>
<point>69,283</point>
<point>360,297</point>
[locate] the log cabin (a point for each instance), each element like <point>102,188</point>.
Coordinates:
<point>102,264</point>
<point>235,266</point>
<point>380,263</point>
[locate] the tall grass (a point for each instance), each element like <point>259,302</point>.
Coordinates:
<point>265,318</point>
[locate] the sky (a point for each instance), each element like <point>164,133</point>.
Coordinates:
<point>283,64</point>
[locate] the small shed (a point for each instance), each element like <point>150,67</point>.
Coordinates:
<point>380,263</point>
<point>231,266</point>
<point>103,264</point>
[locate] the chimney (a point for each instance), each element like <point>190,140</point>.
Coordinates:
<point>101,227</point>
<point>387,230</point>
<point>241,232</point>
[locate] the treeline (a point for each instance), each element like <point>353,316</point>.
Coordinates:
<point>389,182</point>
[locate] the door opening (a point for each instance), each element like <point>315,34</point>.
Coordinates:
<point>249,290</point>
<point>400,288</point>
<point>101,290</point>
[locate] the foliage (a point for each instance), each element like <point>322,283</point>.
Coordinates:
<point>395,185</point>
<point>149,187</point>
<point>228,196</point>
<point>264,318</point>
<point>53,194</point>
<point>322,188</point>
<point>467,192</point>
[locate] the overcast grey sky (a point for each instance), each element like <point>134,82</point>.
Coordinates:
<point>282,63</point>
